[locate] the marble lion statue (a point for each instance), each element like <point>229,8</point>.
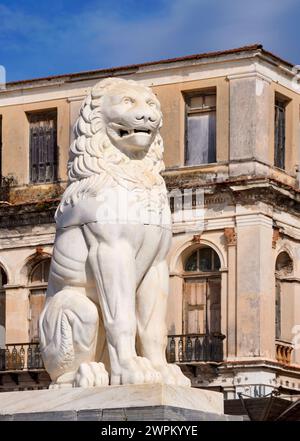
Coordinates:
<point>104,317</point>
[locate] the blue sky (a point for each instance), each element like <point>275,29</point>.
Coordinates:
<point>41,38</point>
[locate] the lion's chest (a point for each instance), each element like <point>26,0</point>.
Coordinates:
<point>117,205</point>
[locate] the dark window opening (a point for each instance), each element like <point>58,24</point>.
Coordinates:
<point>280,133</point>
<point>43,146</point>
<point>284,264</point>
<point>200,139</point>
<point>203,259</point>
<point>3,278</point>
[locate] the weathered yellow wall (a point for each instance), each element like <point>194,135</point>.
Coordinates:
<point>15,138</point>
<point>16,129</point>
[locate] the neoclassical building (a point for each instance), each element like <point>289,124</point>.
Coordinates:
<point>232,154</point>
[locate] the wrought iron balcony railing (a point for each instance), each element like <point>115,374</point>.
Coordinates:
<point>195,347</point>
<point>181,348</point>
<point>21,356</point>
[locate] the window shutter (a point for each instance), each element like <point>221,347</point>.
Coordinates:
<point>43,147</point>
<point>279,148</point>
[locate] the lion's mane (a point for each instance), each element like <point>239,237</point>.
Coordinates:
<point>94,162</point>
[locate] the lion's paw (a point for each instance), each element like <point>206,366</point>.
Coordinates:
<point>151,375</point>
<point>171,374</point>
<point>91,374</point>
<point>138,370</point>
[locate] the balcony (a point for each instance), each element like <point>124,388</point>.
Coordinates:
<point>186,348</point>
<point>21,368</point>
<point>181,348</point>
<point>283,351</point>
<point>21,356</point>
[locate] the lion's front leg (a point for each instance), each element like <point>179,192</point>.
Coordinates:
<point>151,312</point>
<point>112,261</point>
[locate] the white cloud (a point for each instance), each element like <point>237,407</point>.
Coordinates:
<point>99,37</point>
<point>187,26</point>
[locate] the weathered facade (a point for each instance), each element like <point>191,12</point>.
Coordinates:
<point>232,148</point>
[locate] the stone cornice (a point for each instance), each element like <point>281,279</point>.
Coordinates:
<point>253,219</point>
<point>41,212</point>
<point>241,190</point>
<point>244,364</point>
<point>248,75</point>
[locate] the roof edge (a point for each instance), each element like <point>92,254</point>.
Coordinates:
<point>70,76</point>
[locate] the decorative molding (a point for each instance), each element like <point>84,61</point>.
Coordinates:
<point>289,279</point>
<point>245,220</point>
<point>230,236</point>
<point>39,250</point>
<point>196,238</point>
<point>27,219</point>
<point>28,242</point>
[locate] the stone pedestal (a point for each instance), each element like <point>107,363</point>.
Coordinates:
<point>143,402</point>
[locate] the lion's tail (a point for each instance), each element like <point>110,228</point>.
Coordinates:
<point>68,332</point>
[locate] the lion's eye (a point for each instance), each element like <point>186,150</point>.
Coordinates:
<point>151,104</point>
<point>128,100</point>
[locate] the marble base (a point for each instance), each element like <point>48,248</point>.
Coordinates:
<point>151,413</point>
<point>135,402</point>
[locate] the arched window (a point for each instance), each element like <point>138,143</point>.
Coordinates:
<point>3,282</point>
<point>202,260</point>
<point>284,264</point>
<point>40,272</point>
<point>38,280</point>
<point>3,278</point>
<point>283,267</point>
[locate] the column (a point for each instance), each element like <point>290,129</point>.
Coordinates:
<point>255,287</point>
<point>250,117</point>
<point>230,237</point>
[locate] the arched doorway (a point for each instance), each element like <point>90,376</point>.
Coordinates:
<point>202,292</point>
<point>200,338</point>
<point>38,281</point>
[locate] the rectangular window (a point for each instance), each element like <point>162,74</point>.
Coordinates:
<point>280,135</point>
<point>43,146</point>
<point>200,142</point>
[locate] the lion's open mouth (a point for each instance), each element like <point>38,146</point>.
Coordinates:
<point>123,132</point>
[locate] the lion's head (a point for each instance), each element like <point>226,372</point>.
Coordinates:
<point>117,140</point>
